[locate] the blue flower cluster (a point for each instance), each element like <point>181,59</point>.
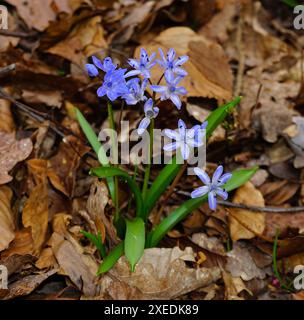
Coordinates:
<point>134,90</point>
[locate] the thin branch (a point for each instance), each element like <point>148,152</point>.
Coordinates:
<point>229,204</point>
<point>260,209</point>
<point>17,34</point>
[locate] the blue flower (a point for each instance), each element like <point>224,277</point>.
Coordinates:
<point>143,66</point>
<point>150,113</point>
<point>171,65</point>
<point>136,91</point>
<point>212,187</point>
<point>185,139</point>
<point>114,84</point>
<point>171,90</point>
<point>106,66</point>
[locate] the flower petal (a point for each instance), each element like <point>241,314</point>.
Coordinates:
<point>97,62</point>
<point>176,101</point>
<point>156,111</point>
<point>101,91</point>
<point>172,134</point>
<point>199,192</point>
<point>181,91</point>
<point>112,95</point>
<point>222,193</point>
<point>144,124</point>
<point>171,54</point>
<point>92,70</point>
<point>171,146</point>
<point>162,54</point>
<point>204,125</point>
<point>160,89</point>
<point>133,63</point>
<point>182,128</point>
<point>185,151</point>
<point>132,73</point>
<point>224,178</point>
<point>181,60</point>
<point>108,65</point>
<point>212,201</point>
<point>181,72</point>
<point>169,76</point>
<point>148,105</point>
<point>217,173</point>
<point>202,175</point>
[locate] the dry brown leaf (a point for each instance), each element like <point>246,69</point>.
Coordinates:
<point>35,211</point>
<point>241,264</point>
<point>79,267</point>
<point>62,167</point>
<point>211,244</point>
<point>27,284</point>
<point>37,14</point>
<point>209,71</point>
<point>6,117</point>
<point>86,39</point>
<point>162,274</point>
<point>5,41</point>
<point>96,204</point>
<point>50,98</point>
<point>233,286</point>
<point>12,151</point>
<point>118,290</point>
<point>21,245</point>
<point>245,224</point>
<point>46,260</point>
<point>7,225</point>
<point>283,222</point>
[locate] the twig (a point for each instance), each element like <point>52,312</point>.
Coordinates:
<point>260,209</point>
<point>17,34</point>
<point>229,204</point>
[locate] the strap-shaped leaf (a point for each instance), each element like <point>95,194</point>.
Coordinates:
<point>110,260</point>
<point>97,147</point>
<point>238,178</point>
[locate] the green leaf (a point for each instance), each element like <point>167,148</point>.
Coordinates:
<point>97,147</point>
<point>170,171</point>
<point>103,172</point>
<point>97,241</point>
<point>238,178</point>
<point>134,241</point>
<point>291,3</point>
<point>111,259</point>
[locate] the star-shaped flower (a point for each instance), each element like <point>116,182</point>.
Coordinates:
<point>143,65</point>
<point>171,91</point>
<point>170,64</point>
<point>114,85</point>
<point>212,187</point>
<point>185,139</point>
<point>106,66</point>
<point>136,91</point>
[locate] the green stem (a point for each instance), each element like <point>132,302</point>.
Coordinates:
<point>114,145</point>
<point>148,168</point>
